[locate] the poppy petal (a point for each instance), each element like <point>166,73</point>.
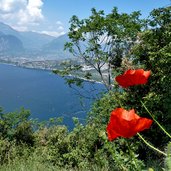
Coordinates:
<point>111,133</point>
<point>143,123</point>
<point>126,124</point>
<point>133,77</point>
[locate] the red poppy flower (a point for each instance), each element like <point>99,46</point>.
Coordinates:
<point>133,77</point>
<point>126,124</point>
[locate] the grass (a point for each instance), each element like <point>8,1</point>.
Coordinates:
<point>33,165</point>
<point>22,165</point>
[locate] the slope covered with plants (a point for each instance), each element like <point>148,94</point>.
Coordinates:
<point>132,46</point>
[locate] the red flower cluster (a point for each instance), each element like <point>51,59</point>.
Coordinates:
<point>126,124</point>
<point>133,77</point>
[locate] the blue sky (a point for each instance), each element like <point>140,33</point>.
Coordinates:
<point>52,16</point>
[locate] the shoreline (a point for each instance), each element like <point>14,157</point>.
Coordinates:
<point>48,69</point>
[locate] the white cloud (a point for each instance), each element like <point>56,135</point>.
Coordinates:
<point>60,28</point>
<point>21,13</point>
<point>55,30</point>
<point>26,15</point>
<point>20,28</point>
<point>59,23</point>
<point>34,9</point>
<point>53,33</point>
<point>8,6</point>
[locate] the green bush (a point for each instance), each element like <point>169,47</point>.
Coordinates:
<point>168,158</point>
<point>86,147</point>
<point>16,126</point>
<point>154,53</point>
<point>10,151</point>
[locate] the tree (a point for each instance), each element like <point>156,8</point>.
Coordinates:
<point>153,52</point>
<point>16,125</point>
<point>101,41</point>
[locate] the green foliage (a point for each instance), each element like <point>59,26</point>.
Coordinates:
<point>154,53</point>
<point>102,40</point>
<point>102,108</point>
<point>168,158</point>
<point>24,133</point>
<point>15,125</point>
<point>52,146</point>
<point>10,151</point>
<point>69,70</point>
<point>84,148</point>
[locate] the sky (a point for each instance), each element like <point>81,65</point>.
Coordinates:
<point>52,16</point>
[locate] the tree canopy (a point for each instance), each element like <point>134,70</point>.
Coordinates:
<point>101,41</point>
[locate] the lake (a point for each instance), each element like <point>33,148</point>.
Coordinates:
<point>45,94</point>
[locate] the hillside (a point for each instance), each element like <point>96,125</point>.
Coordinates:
<point>10,44</point>
<point>30,40</point>
<point>31,45</point>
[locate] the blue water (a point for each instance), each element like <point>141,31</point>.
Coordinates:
<point>45,94</point>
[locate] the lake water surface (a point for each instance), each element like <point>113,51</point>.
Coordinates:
<point>45,94</point>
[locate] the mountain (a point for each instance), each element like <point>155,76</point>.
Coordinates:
<point>33,40</point>
<point>10,44</point>
<point>56,46</point>
<point>1,33</point>
<point>6,29</point>
<point>30,40</point>
<point>32,44</point>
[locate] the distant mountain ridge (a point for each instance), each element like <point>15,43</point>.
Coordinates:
<point>6,29</point>
<point>30,40</point>
<point>57,43</point>
<point>10,44</point>
<point>31,43</point>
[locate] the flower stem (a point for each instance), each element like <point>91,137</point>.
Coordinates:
<point>154,148</point>
<point>155,120</point>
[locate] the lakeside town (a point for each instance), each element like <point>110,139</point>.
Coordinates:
<point>42,63</point>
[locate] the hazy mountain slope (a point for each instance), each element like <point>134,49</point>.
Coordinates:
<point>33,40</point>
<point>30,40</point>
<point>10,44</point>
<point>31,44</point>
<point>56,47</point>
<point>5,29</point>
<point>56,44</point>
